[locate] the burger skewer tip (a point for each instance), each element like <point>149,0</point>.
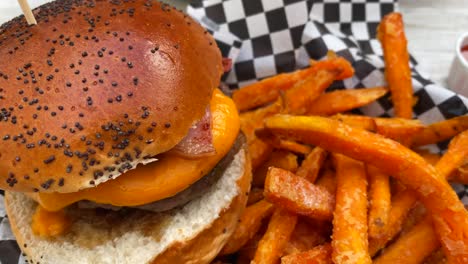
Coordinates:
<point>28,14</point>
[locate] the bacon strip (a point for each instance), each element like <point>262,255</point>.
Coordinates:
<point>199,140</point>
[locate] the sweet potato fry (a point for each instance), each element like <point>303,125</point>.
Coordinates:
<point>344,100</point>
<point>311,165</point>
<point>298,98</point>
<point>255,195</point>
<point>363,122</point>
<point>399,129</point>
<point>449,214</point>
<point>271,246</point>
<point>460,176</point>
<point>254,119</point>
<point>334,62</point>
<point>456,155</point>
<point>441,131</point>
<point>247,252</point>
<point>259,152</point>
<point>395,128</point>
<point>415,215</point>
<point>306,236</point>
<point>268,90</point>
<point>278,158</point>
<point>412,247</point>
<point>431,158</point>
<point>296,194</point>
<point>318,255</point>
<point>327,180</point>
<point>401,206</point>
<point>437,257</point>
<point>293,147</point>
<point>349,241</point>
<point>380,200</point>
<point>249,224</point>
<point>397,71</point>
<point>283,144</point>
<point>304,93</point>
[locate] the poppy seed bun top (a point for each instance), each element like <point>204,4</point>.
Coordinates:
<point>96,88</point>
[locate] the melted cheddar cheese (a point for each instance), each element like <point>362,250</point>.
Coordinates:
<point>163,178</point>
<point>49,224</point>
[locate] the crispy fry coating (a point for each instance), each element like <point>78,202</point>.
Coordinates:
<point>380,200</point>
<point>397,71</point>
<point>412,247</point>
<point>318,255</point>
<point>456,155</point>
<point>327,180</point>
<point>249,224</point>
<point>271,246</point>
<point>268,90</point>
<point>401,206</point>
<point>460,176</point>
<point>298,195</point>
<point>344,100</point>
<point>304,93</point>
<point>307,235</point>
<point>440,131</point>
<point>312,164</point>
<point>279,159</point>
<point>349,239</point>
<point>449,214</point>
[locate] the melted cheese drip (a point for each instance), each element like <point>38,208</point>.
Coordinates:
<point>49,224</point>
<point>161,179</point>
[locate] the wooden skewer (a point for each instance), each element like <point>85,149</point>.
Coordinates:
<point>28,14</point>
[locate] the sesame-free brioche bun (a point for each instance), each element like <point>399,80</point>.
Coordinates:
<point>97,87</point>
<point>194,233</point>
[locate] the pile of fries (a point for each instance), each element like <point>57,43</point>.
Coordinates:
<point>331,187</point>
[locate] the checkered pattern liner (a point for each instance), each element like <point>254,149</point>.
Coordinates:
<point>282,35</point>
<point>267,37</point>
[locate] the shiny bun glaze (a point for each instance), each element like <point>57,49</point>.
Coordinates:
<point>96,88</point>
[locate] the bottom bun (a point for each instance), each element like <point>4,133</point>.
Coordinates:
<point>194,233</point>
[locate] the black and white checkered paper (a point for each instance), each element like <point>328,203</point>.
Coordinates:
<point>267,37</point>
<point>283,35</point>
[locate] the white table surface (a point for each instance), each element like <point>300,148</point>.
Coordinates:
<point>432,27</point>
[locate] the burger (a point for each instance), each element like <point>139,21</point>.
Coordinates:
<point>115,144</point>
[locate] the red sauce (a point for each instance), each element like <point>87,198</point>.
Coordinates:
<point>464,52</point>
